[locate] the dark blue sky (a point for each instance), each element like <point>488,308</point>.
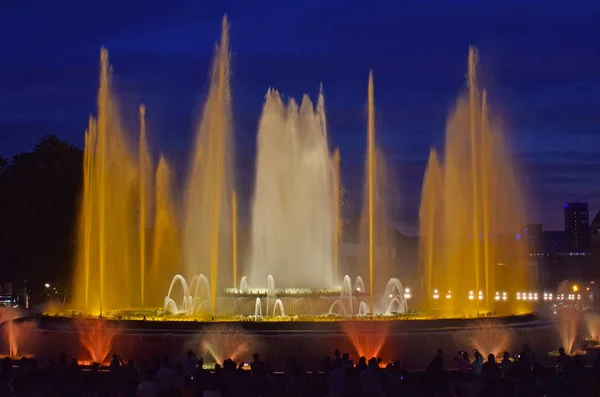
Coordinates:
<point>539,59</point>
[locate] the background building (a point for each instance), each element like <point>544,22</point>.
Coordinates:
<point>577,227</point>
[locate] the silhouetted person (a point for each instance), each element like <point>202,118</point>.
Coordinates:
<point>563,359</point>
<point>490,374</point>
<point>434,374</point>
<point>148,387</point>
<point>190,362</point>
<point>346,361</point>
<point>187,387</point>
<point>370,380</point>
<point>165,376</point>
<point>315,386</point>
<point>257,367</point>
<point>130,378</point>
<point>528,355</point>
<point>463,365</point>
<point>337,379</point>
<point>5,378</point>
<point>505,365</point>
<point>73,380</point>
<point>477,363</point>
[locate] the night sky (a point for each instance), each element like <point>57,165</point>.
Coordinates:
<point>540,62</point>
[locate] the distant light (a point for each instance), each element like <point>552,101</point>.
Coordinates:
<point>390,296</point>
<point>518,236</point>
<point>47,285</point>
<point>575,287</point>
<point>407,290</point>
<point>358,289</point>
<point>567,205</point>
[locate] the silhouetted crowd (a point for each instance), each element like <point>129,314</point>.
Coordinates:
<point>519,375</point>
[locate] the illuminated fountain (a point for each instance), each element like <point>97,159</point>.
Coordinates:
<point>487,337</point>
<point>292,214</point>
<point>132,243</point>
<point>97,337</point>
<point>6,319</point>
<point>569,321</point>
<point>220,342</point>
<point>472,214</point>
<point>368,341</point>
<point>592,325</point>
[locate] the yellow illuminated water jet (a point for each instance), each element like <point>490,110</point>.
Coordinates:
<point>209,187</point>
<point>370,159</point>
<point>472,216</point>
<point>144,165</point>
<point>234,236</point>
<point>336,213</point>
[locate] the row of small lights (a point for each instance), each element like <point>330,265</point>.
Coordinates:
<point>531,296</point>
<point>570,297</point>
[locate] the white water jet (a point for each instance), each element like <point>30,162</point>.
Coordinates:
<point>292,209</point>
<point>347,294</point>
<point>341,309</point>
<point>396,306</point>
<point>278,304</point>
<point>393,297</point>
<point>363,309</point>
<point>359,285</point>
<point>257,309</point>
<point>196,295</point>
<point>244,284</point>
<point>271,293</point>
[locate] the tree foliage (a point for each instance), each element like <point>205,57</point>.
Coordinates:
<point>39,193</point>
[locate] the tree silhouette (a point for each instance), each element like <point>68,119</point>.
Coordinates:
<point>3,164</point>
<point>39,193</point>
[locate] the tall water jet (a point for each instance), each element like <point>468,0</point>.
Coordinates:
<point>429,211</point>
<point>471,215</point>
<point>370,160</point>
<point>166,244</point>
<point>336,213</point>
<point>379,193</point>
<point>209,186</point>
<point>108,221</point>
<point>144,169</point>
<point>234,236</point>
<point>292,209</point>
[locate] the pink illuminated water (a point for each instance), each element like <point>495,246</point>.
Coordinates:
<point>97,337</point>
